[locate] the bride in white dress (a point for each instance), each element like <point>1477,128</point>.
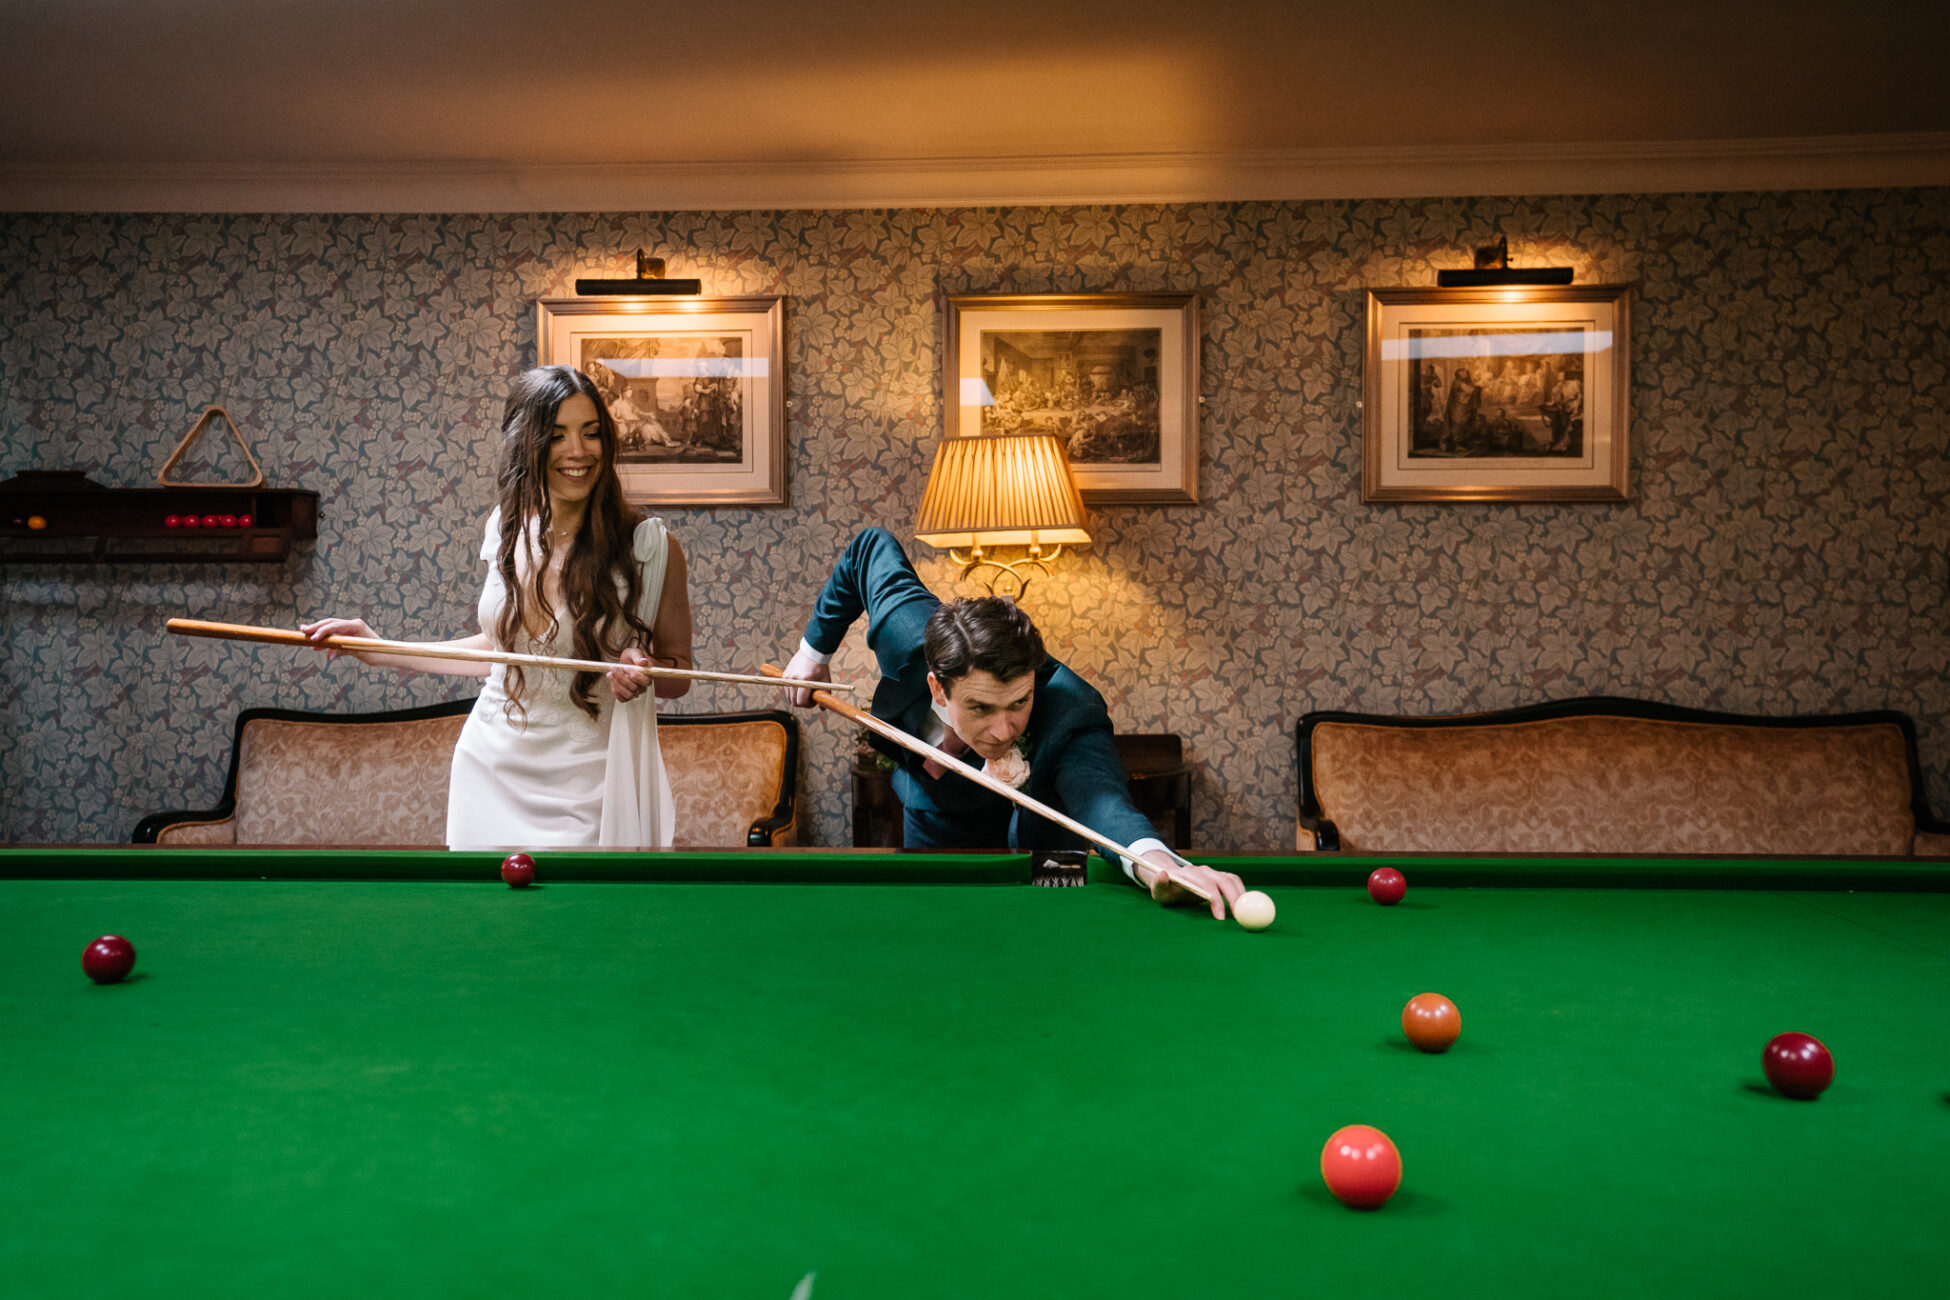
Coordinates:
<point>549,757</point>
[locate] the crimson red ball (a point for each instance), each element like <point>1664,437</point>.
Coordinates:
<point>172,521</point>
<point>191,521</point>
<point>109,959</point>
<point>211,521</point>
<point>228,521</point>
<point>518,869</point>
<point>1386,886</point>
<point>245,521</point>
<point>1798,1065</point>
<point>1361,1166</point>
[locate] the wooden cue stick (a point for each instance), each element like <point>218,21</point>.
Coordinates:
<point>282,636</point>
<point>979,777</point>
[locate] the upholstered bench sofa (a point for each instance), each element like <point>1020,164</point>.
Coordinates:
<point>381,778</point>
<point>1608,775</point>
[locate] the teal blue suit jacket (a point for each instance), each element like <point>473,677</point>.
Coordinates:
<point>1073,764</point>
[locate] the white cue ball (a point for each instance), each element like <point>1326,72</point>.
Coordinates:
<point>1254,910</point>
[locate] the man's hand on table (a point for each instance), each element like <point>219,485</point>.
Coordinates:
<point>1224,887</point>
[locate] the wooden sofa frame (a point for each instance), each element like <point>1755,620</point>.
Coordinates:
<point>776,827</point>
<point>1319,831</point>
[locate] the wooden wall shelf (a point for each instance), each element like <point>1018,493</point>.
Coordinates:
<point>61,517</point>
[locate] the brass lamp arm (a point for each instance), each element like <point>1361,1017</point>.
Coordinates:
<point>977,558</point>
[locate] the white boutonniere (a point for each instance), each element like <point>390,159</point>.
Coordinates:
<point>1012,769</point>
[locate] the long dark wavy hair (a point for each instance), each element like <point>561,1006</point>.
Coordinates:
<point>601,583</point>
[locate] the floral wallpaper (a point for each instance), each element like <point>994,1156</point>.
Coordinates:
<point>1787,547</point>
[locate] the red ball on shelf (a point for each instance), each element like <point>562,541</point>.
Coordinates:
<point>1798,1065</point>
<point>211,521</point>
<point>1386,886</point>
<point>172,521</point>
<point>1361,1166</point>
<point>246,521</point>
<point>191,521</point>
<point>518,869</point>
<point>109,959</point>
<point>227,521</point>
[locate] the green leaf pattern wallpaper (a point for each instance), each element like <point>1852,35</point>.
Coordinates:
<point>1787,547</point>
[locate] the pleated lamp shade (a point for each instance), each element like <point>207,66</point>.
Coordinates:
<point>1009,490</point>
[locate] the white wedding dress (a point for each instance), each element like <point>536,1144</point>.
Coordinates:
<point>549,774</point>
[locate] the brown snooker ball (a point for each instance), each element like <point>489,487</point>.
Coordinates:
<point>109,959</point>
<point>1798,1065</point>
<point>1431,1022</point>
<point>518,869</point>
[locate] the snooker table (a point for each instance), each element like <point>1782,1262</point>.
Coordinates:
<point>376,1072</point>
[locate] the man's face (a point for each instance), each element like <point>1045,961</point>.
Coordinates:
<point>986,711</point>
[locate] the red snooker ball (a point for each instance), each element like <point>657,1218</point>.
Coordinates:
<point>1361,1166</point>
<point>518,869</point>
<point>108,959</point>
<point>228,521</point>
<point>191,521</point>
<point>172,521</point>
<point>1386,886</point>
<point>211,521</point>
<point>1798,1065</point>
<point>245,521</point>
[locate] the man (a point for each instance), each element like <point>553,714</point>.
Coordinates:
<point>972,675</point>
<point>1465,404</point>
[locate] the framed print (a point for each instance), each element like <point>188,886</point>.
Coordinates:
<point>696,385</point>
<point>1505,394</point>
<point>1114,374</point>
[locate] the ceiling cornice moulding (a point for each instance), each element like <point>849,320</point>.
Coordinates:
<point>1815,163</point>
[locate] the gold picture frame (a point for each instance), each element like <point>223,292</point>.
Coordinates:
<point>1114,374</point>
<point>697,387</point>
<point>1497,394</point>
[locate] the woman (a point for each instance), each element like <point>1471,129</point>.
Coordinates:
<point>549,757</point>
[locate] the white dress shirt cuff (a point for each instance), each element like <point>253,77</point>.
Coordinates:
<point>806,649</point>
<point>1141,847</point>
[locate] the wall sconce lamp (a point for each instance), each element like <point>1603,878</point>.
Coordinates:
<point>649,279</point>
<point>1493,268</point>
<point>1009,490</point>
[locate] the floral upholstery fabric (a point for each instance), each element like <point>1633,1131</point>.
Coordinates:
<point>320,783</point>
<point>1615,785</point>
<point>184,835</point>
<point>724,777</point>
<point>345,783</point>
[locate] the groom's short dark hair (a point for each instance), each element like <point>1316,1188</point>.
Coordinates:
<point>990,635</point>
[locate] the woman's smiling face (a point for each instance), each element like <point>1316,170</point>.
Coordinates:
<point>575,450</point>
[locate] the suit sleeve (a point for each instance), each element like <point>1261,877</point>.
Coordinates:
<point>874,577</point>
<point>1090,782</point>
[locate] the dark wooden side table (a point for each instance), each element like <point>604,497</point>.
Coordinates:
<point>876,808</point>
<point>1161,783</point>
<point>1161,787</point>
